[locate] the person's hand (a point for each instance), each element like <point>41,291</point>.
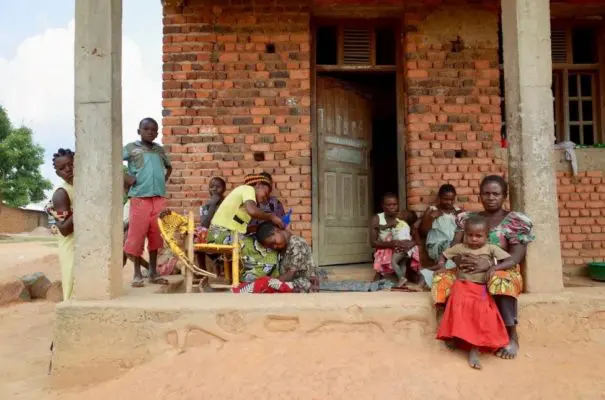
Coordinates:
<point>466,262</point>
<point>490,273</point>
<point>437,268</point>
<point>165,213</point>
<point>314,284</point>
<point>129,180</point>
<point>475,264</point>
<point>278,222</point>
<point>391,225</point>
<point>404,246</point>
<point>436,214</point>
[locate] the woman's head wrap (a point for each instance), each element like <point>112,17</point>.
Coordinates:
<point>253,179</point>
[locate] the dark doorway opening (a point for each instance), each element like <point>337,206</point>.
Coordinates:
<point>381,88</point>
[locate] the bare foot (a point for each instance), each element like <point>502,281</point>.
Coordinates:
<point>510,351</point>
<point>402,282</point>
<point>473,358</point>
<point>204,285</point>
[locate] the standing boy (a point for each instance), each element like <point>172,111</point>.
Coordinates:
<point>150,166</point>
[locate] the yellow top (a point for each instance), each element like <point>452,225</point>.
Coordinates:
<point>67,251</point>
<point>231,214</point>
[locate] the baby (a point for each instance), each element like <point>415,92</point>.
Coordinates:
<point>400,231</point>
<point>471,317</point>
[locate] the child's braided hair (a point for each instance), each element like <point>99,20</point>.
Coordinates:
<point>62,153</point>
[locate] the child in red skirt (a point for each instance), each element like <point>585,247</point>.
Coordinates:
<point>471,319</point>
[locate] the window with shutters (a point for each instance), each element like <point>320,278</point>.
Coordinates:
<point>576,83</point>
<point>355,45</point>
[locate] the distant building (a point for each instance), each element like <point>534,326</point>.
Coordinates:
<point>18,220</point>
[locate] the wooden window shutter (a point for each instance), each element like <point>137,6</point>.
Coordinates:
<point>558,46</point>
<point>357,46</point>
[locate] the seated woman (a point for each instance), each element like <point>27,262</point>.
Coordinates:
<point>271,206</point>
<point>234,215</point>
<point>512,232</point>
<point>438,224</point>
<point>391,237</point>
<point>296,272</point>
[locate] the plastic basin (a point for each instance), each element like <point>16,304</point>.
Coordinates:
<point>596,270</point>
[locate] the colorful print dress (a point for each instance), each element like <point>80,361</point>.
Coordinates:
<point>515,228</point>
<point>298,255</point>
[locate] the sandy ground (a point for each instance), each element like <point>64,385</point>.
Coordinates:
<point>331,365</point>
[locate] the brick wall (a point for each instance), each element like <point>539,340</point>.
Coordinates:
<point>16,220</point>
<point>454,117</point>
<point>236,82</point>
<point>227,96</point>
<point>582,216</point>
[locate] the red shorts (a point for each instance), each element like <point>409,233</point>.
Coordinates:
<point>143,224</point>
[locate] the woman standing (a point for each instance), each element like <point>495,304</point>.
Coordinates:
<point>512,232</point>
<point>233,216</point>
<point>61,209</point>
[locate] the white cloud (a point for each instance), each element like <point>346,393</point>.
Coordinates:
<point>36,87</point>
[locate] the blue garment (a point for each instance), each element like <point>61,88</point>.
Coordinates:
<point>440,236</point>
<point>148,165</point>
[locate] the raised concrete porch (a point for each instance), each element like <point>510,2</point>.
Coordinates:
<point>113,336</point>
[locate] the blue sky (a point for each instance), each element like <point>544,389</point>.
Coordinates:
<point>36,66</point>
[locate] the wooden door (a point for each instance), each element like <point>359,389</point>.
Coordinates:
<point>344,129</point>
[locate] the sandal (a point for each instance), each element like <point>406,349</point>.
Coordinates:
<point>137,282</point>
<point>158,280</point>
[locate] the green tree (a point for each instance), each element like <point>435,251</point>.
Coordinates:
<point>21,181</point>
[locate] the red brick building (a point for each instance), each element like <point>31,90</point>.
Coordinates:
<point>343,100</point>
<point>20,220</point>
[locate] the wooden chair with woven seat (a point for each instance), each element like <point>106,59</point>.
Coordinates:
<point>173,223</point>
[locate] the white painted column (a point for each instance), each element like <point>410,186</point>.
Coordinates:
<point>98,164</point>
<point>530,133</point>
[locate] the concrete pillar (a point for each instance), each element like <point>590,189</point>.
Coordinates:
<point>98,164</point>
<point>530,133</point>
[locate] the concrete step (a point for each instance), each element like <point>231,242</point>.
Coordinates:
<point>357,272</point>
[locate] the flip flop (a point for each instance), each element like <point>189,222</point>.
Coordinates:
<point>137,282</point>
<point>158,280</point>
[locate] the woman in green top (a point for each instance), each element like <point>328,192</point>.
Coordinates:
<point>233,216</point>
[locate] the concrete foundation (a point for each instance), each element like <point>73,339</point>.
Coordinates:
<point>114,336</point>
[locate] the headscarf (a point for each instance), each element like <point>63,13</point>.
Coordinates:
<point>253,179</point>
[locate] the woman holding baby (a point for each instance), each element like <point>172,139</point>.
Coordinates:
<point>509,230</point>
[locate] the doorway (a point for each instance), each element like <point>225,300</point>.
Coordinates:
<point>379,89</point>
<point>358,159</point>
<point>356,120</point>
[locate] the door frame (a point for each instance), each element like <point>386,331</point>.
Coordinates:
<point>400,117</point>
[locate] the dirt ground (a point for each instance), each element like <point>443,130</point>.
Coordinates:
<point>330,365</point>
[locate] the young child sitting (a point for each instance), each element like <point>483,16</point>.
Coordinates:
<point>392,239</point>
<point>216,189</point>
<point>471,319</point>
